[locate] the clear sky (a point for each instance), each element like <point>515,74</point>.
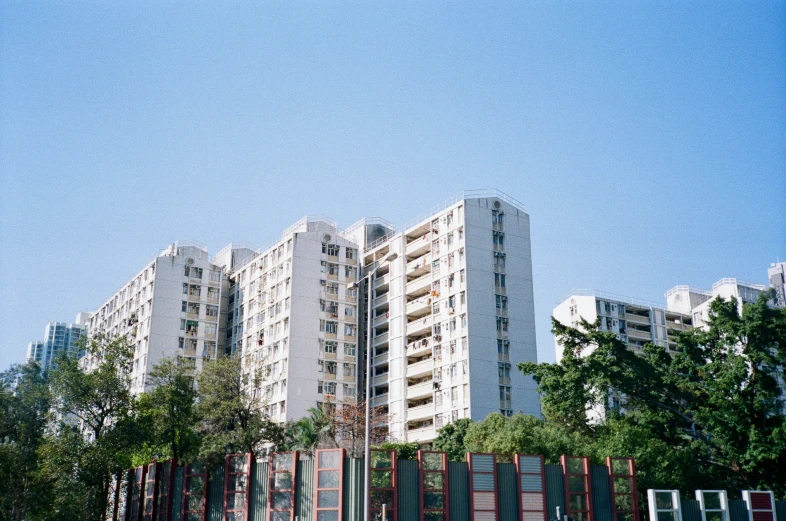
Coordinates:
<point>647,139</point>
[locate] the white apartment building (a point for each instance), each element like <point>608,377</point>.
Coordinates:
<point>451,314</point>
<point>173,306</point>
<point>294,319</point>
<point>687,299</point>
<point>635,322</point>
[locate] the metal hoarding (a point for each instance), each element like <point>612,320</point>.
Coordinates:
<point>237,479</point>
<point>383,490</point>
<point>281,486</point>
<point>483,487</point>
<point>531,487</point>
<point>329,485</point>
<point>194,498</point>
<point>578,487</point>
<point>434,492</point>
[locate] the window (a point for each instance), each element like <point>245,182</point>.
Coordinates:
<point>351,253</point>
<point>210,329</point>
<point>503,347</point>
<point>330,249</point>
<point>330,388</point>
<point>352,292</point>
<point>502,324</point>
<point>349,272</point>
<point>332,269</point>
<point>349,311</point>
<point>501,301</point>
<point>504,370</point>
<point>349,349</point>
<point>331,367</point>
<point>320,387</point>
<point>332,288</point>
<point>194,273</point>
<point>349,390</point>
<point>499,239</point>
<point>499,280</point>
<point>349,330</point>
<point>185,289</point>
<point>349,369</point>
<point>184,306</point>
<point>331,346</point>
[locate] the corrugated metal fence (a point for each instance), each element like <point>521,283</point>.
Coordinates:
<point>409,500</point>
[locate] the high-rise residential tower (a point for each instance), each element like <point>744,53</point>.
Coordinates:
<point>776,274</point>
<point>172,307</point>
<point>58,337</point>
<point>451,314</point>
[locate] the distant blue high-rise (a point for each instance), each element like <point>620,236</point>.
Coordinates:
<point>58,336</point>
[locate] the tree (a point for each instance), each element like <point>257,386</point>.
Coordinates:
<point>95,429</point>
<point>714,403</point>
<point>24,408</point>
<point>169,412</point>
<point>231,417</point>
<point>524,434</point>
<point>404,450</point>
<point>450,439</point>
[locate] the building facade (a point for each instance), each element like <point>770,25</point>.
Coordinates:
<point>635,322</point>
<point>58,337</point>
<point>451,314</point>
<point>293,316</point>
<point>172,307</point>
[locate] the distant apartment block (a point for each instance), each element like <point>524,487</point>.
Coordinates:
<point>635,322</point>
<point>59,337</point>
<point>687,299</point>
<point>776,274</point>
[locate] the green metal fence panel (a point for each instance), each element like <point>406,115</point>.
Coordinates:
<point>408,490</point>
<point>215,494</point>
<point>353,489</point>
<point>508,492</point>
<point>780,509</point>
<point>259,484</point>
<point>304,495</point>
<point>737,510</point>
<point>601,493</point>
<point>691,511</point>
<point>177,493</point>
<point>458,475</point>
<point>555,490</point>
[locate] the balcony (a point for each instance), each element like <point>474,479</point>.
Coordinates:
<point>381,340</point>
<point>419,287</point>
<point>419,390</point>
<point>420,368</point>
<point>380,379</point>
<point>379,400</point>
<point>421,412</point>
<point>419,307</point>
<point>633,318</point>
<point>380,319</point>
<point>421,434</point>
<point>419,346</point>
<point>381,283</point>
<point>380,300</point>
<point>420,326</point>
<point>380,358</point>
<point>419,266</point>
<point>419,246</point>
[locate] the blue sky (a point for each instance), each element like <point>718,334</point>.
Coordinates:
<point>647,139</point>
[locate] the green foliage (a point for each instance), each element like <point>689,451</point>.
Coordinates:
<point>450,439</point>
<point>708,414</point>
<point>24,408</point>
<point>403,450</point>
<point>168,413</point>
<point>231,421</point>
<point>522,434</point>
<point>98,399</point>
